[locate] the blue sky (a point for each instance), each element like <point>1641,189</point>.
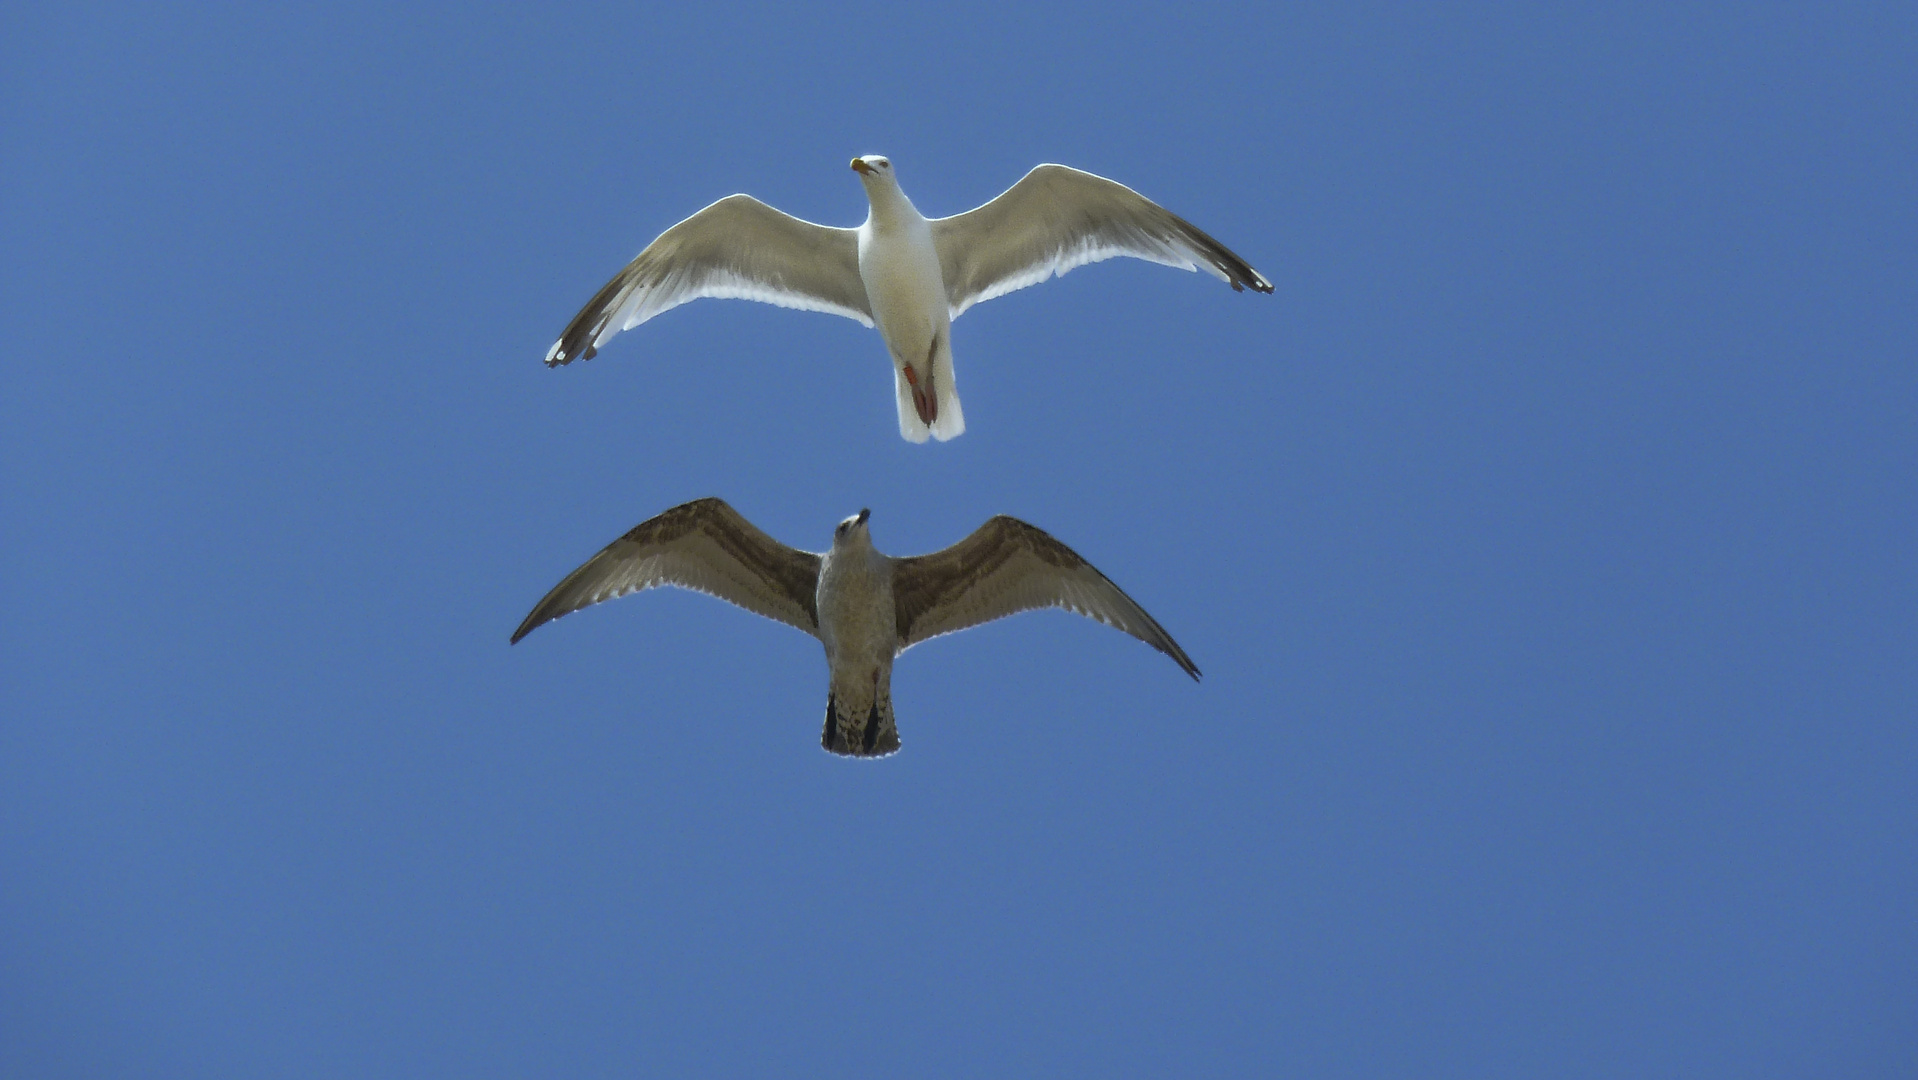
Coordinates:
<point>1546,541</point>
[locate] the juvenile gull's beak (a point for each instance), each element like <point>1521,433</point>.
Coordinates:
<point>863,515</point>
<point>859,166</point>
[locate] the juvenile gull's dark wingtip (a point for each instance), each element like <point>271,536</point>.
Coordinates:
<point>526,627</point>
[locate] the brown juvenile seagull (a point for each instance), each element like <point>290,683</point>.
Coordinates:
<point>909,275</point>
<point>865,607</point>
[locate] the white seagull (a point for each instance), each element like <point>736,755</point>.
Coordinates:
<point>909,275</point>
<point>865,607</point>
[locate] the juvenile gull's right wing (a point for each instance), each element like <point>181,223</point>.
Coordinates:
<point>703,545</point>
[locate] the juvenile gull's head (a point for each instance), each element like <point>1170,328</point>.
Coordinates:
<point>852,531</point>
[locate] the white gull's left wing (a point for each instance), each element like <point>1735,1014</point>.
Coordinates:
<point>1056,218</point>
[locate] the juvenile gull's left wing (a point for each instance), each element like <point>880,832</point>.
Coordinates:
<point>705,546</point>
<point>1008,566</point>
<point>1056,218</point>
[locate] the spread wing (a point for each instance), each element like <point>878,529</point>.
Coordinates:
<point>1008,566</point>
<point>1056,218</point>
<point>737,248</point>
<point>703,545</point>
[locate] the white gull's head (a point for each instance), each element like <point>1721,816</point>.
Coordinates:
<point>874,170</point>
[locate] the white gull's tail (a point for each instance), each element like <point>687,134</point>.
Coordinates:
<point>948,418</point>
